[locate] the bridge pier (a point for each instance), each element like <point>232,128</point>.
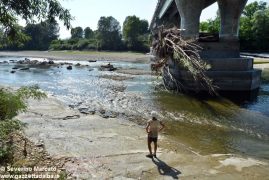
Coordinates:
<point>229,71</point>
<point>190,12</point>
<point>230,12</point>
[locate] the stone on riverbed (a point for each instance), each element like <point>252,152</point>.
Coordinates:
<point>108,67</point>
<point>69,67</point>
<point>86,111</point>
<point>24,69</point>
<point>51,62</point>
<point>107,114</point>
<point>43,63</point>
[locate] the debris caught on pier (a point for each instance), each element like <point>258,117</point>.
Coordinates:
<point>169,44</point>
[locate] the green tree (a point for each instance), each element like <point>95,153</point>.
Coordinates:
<point>254,27</point>
<point>251,8</point>
<point>29,10</point>
<point>211,25</point>
<point>144,26</point>
<point>41,34</point>
<point>134,32</point>
<point>88,33</point>
<point>204,26</point>
<point>76,32</point>
<point>260,29</point>
<point>108,34</point>
<point>14,41</point>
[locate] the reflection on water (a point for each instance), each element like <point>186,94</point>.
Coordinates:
<point>214,125</point>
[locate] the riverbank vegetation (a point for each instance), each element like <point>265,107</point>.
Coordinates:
<point>12,34</point>
<point>254,27</point>
<point>109,36</point>
<point>11,103</point>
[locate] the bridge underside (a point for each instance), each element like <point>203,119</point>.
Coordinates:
<point>167,14</point>
<point>229,71</point>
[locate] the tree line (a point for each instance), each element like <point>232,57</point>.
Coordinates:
<point>254,27</point>
<point>108,36</point>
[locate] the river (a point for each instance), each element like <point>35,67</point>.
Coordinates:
<point>208,125</point>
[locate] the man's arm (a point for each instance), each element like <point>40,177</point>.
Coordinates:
<point>162,126</point>
<point>147,128</point>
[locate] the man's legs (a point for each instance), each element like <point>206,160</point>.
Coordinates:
<point>149,145</point>
<point>155,148</point>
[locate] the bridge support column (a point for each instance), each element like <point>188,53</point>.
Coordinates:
<point>190,12</point>
<point>230,12</point>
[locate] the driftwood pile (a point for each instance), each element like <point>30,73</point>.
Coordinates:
<point>169,44</point>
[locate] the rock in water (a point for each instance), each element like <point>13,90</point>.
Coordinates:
<point>43,63</point>
<point>51,62</point>
<point>108,67</point>
<point>69,67</point>
<point>24,69</point>
<point>86,111</point>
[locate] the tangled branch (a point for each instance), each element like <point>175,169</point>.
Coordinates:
<point>170,44</point>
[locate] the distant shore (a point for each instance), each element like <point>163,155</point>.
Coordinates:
<point>80,55</point>
<point>103,55</point>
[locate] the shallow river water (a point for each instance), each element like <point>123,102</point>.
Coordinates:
<point>208,125</point>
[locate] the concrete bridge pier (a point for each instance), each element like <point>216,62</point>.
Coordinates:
<point>230,12</point>
<point>190,12</point>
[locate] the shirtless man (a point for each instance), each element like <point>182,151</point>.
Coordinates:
<point>153,127</point>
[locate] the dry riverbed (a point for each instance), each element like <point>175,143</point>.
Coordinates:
<point>89,146</point>
<point>80,55</point>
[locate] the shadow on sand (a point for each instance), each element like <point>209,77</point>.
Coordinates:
<point>166,170</point>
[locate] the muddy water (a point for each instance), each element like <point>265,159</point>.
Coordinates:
<point>205,125</point>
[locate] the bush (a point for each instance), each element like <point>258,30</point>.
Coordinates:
<point>91,46</point>
<point>82,44</point>
<point>7,127</point>
<point>11,103</point>
<point>72,41</point>
<point>66,47</point>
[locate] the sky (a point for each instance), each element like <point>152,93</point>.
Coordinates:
<point>88,12</point>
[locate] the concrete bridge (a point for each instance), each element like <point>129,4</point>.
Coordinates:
<point>229,71</point>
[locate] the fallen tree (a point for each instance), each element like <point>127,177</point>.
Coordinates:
<point>169,44</point>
